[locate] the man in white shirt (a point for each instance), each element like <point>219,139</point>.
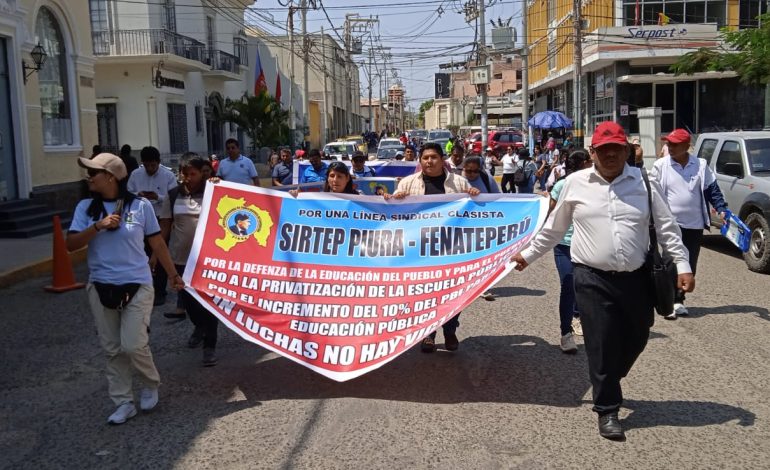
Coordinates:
<point>689,186</point>
<point>153,181</point>
<point>236,167</point>
<point>609,210</point>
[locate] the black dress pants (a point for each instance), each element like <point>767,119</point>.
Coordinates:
<point>616,312</point>
<point>206,324</point>
<point>691,239</point>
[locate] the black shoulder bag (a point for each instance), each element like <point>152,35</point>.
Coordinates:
<point>663,270</point>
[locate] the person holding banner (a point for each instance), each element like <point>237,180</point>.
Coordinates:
<point>283,172</point>
<point>316,172</point>
<point>338,180</point>
<point>434,178</point>
<point>178,221</point>
<point>608,206</point>
<point>359,169</point>
<point>114,224</point>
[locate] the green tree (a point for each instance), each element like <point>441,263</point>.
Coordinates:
<point>745,52</point>
<point>426,105</point>
<point>261,119</point>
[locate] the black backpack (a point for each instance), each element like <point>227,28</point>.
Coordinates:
<point>519,178</point>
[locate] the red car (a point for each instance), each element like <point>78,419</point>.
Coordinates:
<point>498,140</point>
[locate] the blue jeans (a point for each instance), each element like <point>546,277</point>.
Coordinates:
<point>567,307</point>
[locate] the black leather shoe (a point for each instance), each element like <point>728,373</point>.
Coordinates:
<point>196,339</point>
<point>610,428</point>
<point>451,343</point>
<point>428,345</point>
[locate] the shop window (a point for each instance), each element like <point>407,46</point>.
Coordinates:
<point>53,77</point>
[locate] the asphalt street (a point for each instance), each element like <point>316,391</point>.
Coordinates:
<point>697,398</point>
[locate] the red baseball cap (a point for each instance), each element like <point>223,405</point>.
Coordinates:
<point>609,132</point>
<point>678,136</point>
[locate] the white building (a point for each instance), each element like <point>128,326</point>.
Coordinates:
<point>164,70</point>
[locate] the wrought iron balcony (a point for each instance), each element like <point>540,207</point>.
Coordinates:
<point>222,61</point>
<point>142,42</point>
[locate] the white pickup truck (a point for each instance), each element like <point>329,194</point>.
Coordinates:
<point>741,162</point>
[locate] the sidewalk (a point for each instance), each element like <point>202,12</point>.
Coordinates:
<point>30,257</point>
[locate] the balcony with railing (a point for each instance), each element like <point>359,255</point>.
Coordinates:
<point>148,42</point>
<point>222,64</point>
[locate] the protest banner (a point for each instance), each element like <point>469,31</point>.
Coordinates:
<point>343,284</point>
<point>382,168</point>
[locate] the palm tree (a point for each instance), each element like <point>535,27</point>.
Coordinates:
<point>261,119</point>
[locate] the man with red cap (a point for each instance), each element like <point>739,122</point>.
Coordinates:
<point>609,209</point>
<point>689,186</point>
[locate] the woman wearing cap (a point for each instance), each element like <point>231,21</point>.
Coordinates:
<point>434,178</point>
<point>114,224</point>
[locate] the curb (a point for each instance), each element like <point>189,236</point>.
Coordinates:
<point>36,269</point>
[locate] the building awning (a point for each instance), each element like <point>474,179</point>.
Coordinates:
<point>671,78</point>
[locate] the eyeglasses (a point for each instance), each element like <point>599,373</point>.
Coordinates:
<point>93,172</point>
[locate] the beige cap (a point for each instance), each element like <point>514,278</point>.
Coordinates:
<point>635,141</point>
<point>106,161</point>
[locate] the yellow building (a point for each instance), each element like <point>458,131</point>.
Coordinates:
<point>628,47</point>
<point>47,116</point>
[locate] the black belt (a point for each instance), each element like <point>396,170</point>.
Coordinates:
<point>609,273</point>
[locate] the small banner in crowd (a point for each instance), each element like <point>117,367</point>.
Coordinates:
<point>382,168</point>
<point>343,284</point>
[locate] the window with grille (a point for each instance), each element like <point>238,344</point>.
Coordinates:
<point>177,127</point>
<point>240,51</point>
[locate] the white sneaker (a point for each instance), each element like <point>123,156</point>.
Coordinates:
<point>148,398</point>
<point>577,327</point>
<point>568,345</point>
<point>124,412</point>
<point>681,310</point>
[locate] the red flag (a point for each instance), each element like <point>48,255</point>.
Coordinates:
<point>278,88</point>
<point>260,85</point>
<point>636,14</point>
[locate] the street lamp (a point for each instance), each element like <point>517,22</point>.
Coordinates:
<point>39,56</point>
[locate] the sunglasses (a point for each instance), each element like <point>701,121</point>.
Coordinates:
<point>93,172</point>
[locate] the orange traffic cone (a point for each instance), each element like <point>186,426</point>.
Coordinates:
<point>63,275</point>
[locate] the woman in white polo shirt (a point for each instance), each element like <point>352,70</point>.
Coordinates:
<point>114,225</point>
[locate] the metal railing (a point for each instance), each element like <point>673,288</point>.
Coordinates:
<point>147,42</point>
<point>221,60</point>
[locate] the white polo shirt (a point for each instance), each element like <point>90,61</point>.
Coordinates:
<point>683,189</point>
<point>241,170</point>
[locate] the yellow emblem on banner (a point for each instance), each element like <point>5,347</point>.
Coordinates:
<point>241,222</point>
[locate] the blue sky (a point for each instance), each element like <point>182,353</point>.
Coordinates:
<point>418,36</point>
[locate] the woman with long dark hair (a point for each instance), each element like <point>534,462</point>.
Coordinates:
<point>338,180</point>
<point>114,224</point>
<point>569,321</point>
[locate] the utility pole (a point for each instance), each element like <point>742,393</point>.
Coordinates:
<point>525,73</point>
<point>371,78</point>
<point>326,90</point>
<point>578,73</point>
<point>483,61</point>
<point>306,60</point>
<point>292,124</point>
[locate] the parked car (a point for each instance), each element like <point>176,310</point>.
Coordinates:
<point>359,141</point>
<point>498,140</point>
<point>388,153</point>
<point>741,162</point>
<point>439,136</point>
<point>420,134</point>
<point>339,150</point>
<point>389,142</point>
